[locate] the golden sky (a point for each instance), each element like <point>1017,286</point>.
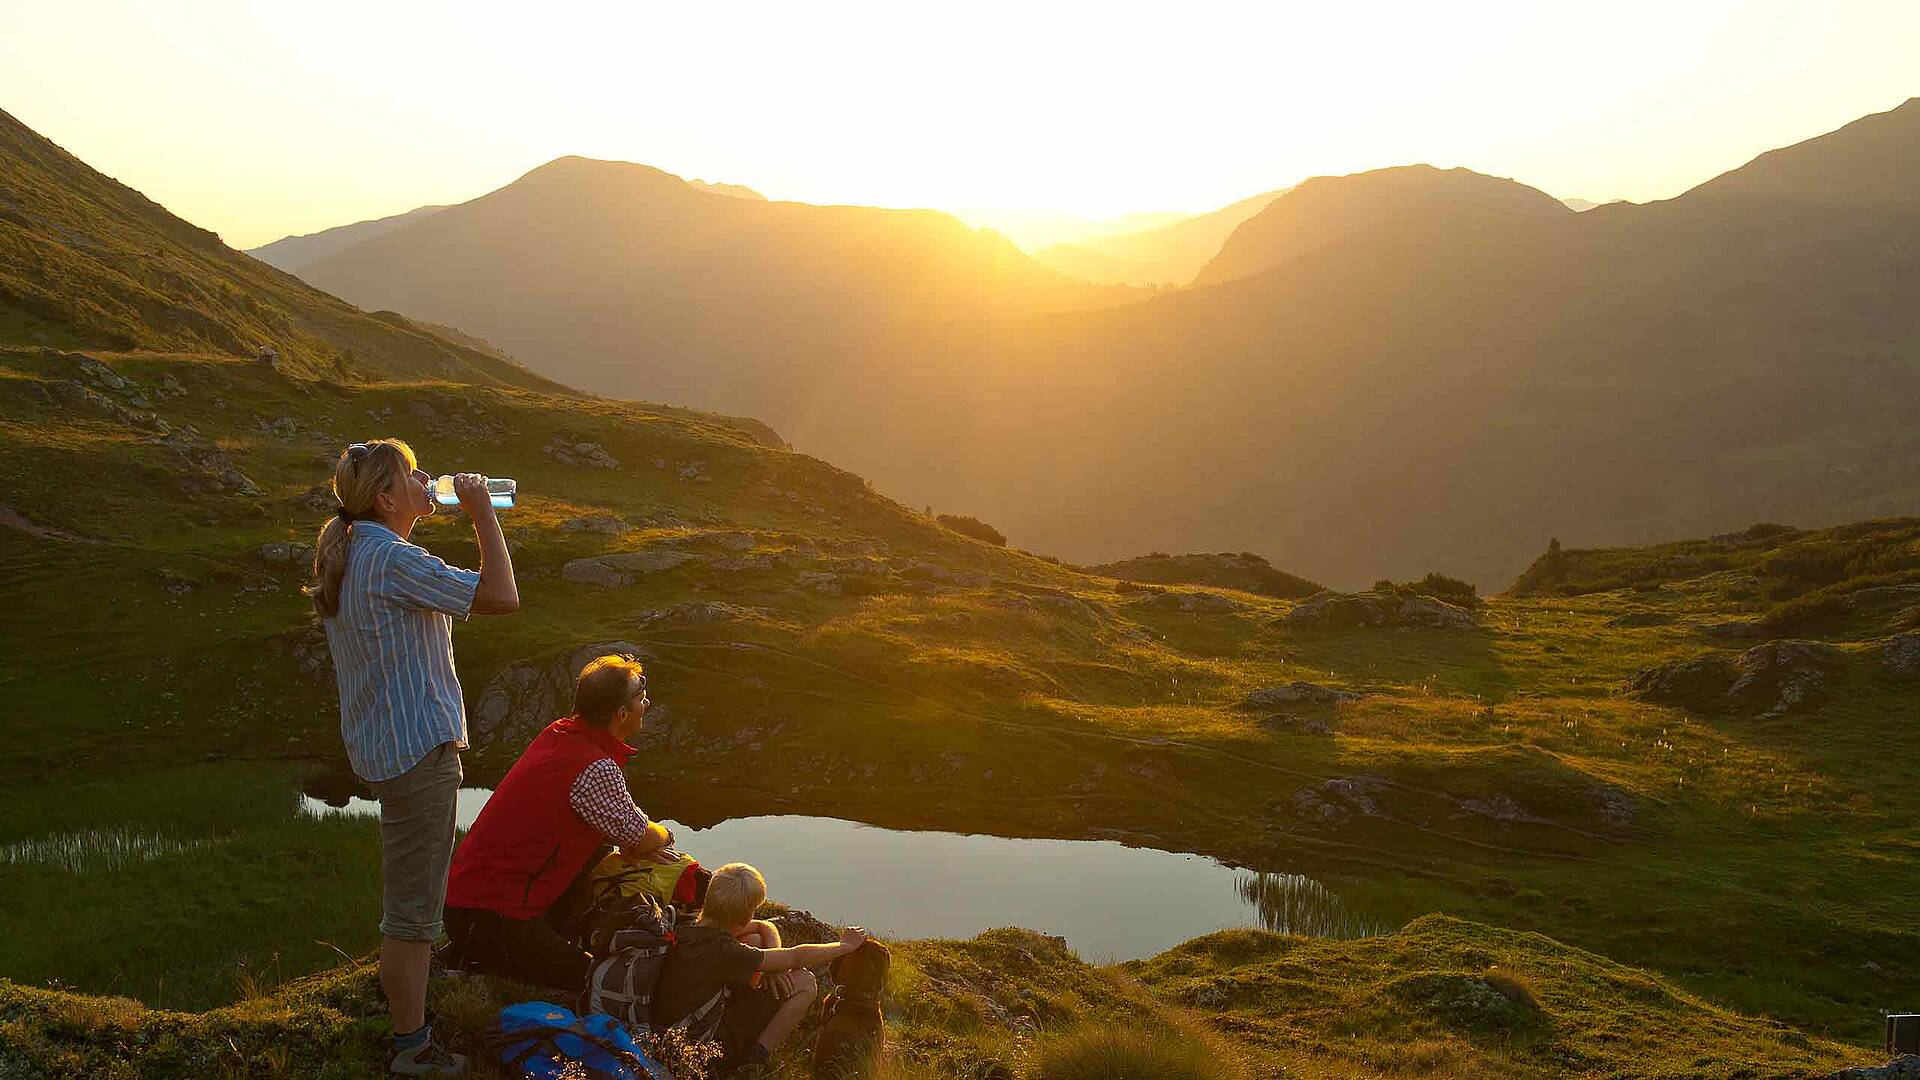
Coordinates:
<point>260,120</point>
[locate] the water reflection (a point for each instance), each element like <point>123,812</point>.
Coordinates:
<point>94,850</point>
<point>1292,904</point>
<point>1111,902</point>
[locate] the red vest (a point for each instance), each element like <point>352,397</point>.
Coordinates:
<point>528,845</point>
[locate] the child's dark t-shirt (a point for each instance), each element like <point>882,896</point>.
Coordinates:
<point>703,959</point>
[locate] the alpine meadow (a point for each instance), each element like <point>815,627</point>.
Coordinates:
<point>1395,623</point>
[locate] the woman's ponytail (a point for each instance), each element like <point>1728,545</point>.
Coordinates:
<point>362,473</point>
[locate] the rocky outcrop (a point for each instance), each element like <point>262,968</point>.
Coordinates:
<point>619,571</point>
<point>1382,609</point>
<point>525,696</point>
<point>310,652</point>
<point>1192,602</point>
<point>586,454</point>
<point>1766,681</point>
<point>1294,694</point>
<point>1339,800</point>
<point>297,554</point>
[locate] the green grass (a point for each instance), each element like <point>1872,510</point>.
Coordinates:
<point>1444,998</point>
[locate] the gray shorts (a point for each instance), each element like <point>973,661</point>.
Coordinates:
<point>416,844</point>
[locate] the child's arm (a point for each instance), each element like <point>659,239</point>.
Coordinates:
<point>802,956</point>
<point>761,934</point>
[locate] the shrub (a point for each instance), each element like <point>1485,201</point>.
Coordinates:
<point>1449,590</point>
<point>974,527</point>
<point>1130,1053</point>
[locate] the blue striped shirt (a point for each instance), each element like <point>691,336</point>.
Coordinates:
<point>392,644</point>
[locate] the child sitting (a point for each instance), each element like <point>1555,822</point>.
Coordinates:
<point>717,962</point>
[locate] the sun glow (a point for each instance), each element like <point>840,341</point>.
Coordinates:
<point>259,120</point>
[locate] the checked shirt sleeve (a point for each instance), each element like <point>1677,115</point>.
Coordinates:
<point>599,795</point>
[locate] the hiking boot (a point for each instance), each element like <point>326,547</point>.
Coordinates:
<point>427,1059</point>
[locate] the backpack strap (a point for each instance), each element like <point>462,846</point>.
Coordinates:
<point>696,1023</point>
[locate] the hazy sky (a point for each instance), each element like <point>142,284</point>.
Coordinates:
<point>259,120</point>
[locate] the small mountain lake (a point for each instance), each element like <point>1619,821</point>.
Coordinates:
<point>1110,901</point>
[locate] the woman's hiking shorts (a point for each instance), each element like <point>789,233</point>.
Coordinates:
<point>416,844</point>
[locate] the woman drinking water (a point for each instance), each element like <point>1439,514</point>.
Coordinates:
<point>388,607</point>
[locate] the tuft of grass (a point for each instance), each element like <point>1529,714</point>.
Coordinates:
<point>1111,1052</point>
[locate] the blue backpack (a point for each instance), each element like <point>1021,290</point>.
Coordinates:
<point>539,1040</point>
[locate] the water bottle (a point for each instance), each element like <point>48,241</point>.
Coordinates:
<point>499,487</point>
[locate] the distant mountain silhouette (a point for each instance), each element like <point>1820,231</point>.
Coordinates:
<point>290,253</point>
<point>1400,371</point>
<point>1170,254</point>
<point>1327,208</point>
<point>604,270</point>
<point>731,191</point>
<point>1579,206</point>
<point>1034,230</point>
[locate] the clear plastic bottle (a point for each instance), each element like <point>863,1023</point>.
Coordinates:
<point>502,489</point>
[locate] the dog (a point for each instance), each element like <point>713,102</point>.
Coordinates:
<point>853,1036</point>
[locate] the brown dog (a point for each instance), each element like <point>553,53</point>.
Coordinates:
<point>851,1039</point>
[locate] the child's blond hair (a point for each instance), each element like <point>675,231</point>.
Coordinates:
<point>735,893</point>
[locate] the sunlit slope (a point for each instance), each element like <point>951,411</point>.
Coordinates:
<point>87,261</point>
<point>625,279</point>
<point>1444,998</point>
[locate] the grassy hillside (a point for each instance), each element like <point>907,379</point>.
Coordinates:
<point>812,630</point>
<point>85,261</point>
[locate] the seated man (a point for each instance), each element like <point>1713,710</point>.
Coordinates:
<point>560,802</point>
<point>715,964</point>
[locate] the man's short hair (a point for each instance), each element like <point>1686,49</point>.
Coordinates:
<point>606,683</point>
<point>735,893</point>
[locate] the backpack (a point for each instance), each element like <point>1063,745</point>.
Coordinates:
<point>544,1041</point>
<point>631,933</point>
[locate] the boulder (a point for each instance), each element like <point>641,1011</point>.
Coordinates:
<point>1766,681</point>
<point>1296,693</point>
<point>1379,609</point>
<point>528,694</point>
<point>1904,1067</point>
<point>1900,656</point>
